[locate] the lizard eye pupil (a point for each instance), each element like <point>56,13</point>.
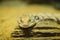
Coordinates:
<point>36,17</point>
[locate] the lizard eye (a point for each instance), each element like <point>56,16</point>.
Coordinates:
<point>36,17</point>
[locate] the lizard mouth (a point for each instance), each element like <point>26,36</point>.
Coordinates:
<point>26,26</point>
